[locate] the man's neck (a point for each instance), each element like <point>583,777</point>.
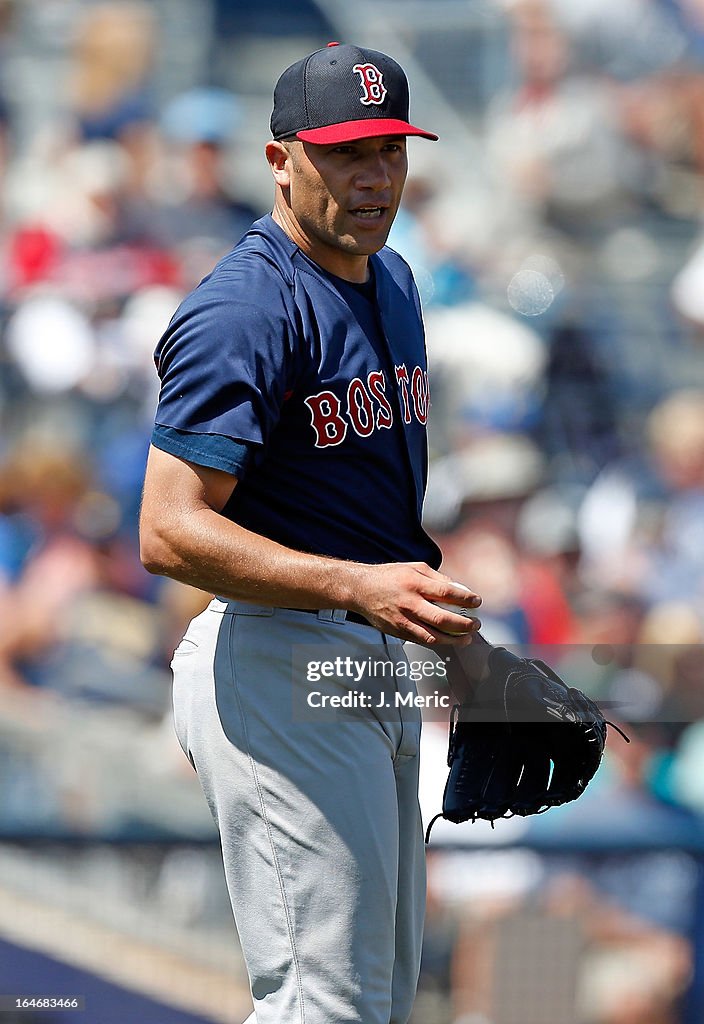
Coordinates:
<point>345,265</point>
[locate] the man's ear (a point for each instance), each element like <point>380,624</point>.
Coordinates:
<point>279,158</point>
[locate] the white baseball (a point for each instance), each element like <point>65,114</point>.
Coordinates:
<point>457,609</point>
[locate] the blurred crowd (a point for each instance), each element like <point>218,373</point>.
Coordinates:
<point>110,214</point>
<point>568,375</point>
<point>562,283</point>
<point>562,276</point>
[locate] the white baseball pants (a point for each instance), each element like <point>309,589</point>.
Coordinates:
<point>319,821</point>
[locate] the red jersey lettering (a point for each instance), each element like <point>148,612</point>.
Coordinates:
<point>359,408</point>
<point>330,428</point>
<point>419,390</point>
<point>402,380</point>
<point>377,386</point>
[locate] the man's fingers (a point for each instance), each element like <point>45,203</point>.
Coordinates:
<point>438,586</point>
<point>447,618</point>
<point>421,633</point>
<point>465,599</point>
<point>451,592</point>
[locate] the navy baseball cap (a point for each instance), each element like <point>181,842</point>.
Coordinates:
<point>342,93</point>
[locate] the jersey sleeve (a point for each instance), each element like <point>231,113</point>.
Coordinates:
<point>225,366</point>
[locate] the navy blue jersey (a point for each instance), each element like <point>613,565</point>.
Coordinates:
<point>314,397</point>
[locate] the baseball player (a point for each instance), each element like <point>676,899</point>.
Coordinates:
<point>286,476</point>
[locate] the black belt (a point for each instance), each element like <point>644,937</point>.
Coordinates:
<point>350,617</point>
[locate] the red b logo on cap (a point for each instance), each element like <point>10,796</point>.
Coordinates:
<point>373,88</point>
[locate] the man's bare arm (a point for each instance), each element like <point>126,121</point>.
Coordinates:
<point>184,536</point>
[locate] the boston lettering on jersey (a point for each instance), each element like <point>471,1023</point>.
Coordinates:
<point>325,391</point>
<point>367,408</point>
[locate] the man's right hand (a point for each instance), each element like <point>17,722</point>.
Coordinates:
<point>401,598</point>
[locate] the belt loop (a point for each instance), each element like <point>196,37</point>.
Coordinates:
<point>332,614</point>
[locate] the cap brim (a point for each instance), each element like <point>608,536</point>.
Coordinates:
<point>368,128</point>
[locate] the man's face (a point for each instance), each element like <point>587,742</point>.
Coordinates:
<point>344,198</point>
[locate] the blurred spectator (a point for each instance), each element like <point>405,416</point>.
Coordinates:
<point>579,423</point>
<point>640,523</point>
<point>113,61</point>
<point>43,489</point>
<point>629,41</point>
<point>51,343</point>
<point>554,141</point>
<point>441,260</point>
<point>489,370</point>
<point>73,615</point>
<point>200,127</point>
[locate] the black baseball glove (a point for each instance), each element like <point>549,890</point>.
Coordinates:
<point>526,742</point>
